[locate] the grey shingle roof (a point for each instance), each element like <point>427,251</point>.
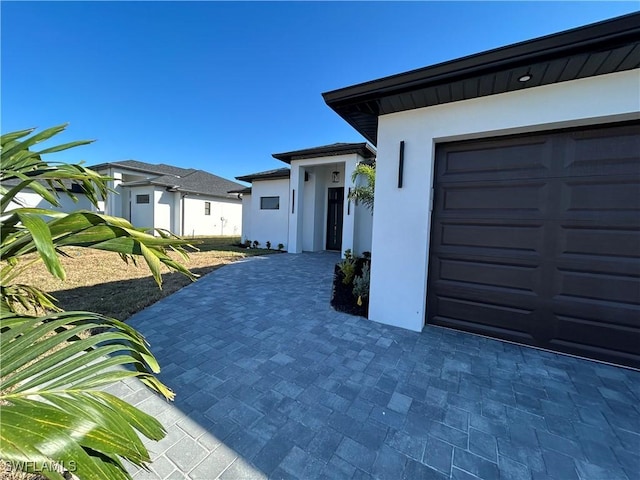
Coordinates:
<point>188,180</point>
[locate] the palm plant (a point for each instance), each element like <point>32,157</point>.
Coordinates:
<point>54,410</point>
<point>364,190</point>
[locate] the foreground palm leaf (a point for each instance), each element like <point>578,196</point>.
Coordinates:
<point>58,399</point>
<point>365,189</point>
<point>53,370</point>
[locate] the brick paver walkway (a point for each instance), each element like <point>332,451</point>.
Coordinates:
<point>272,383</point>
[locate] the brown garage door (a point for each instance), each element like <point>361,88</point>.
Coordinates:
<point>536,239</point>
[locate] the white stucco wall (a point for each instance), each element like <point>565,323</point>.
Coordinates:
<point>225,217</point>
<point>270,225</point>
<point>402,220</point>
<point>142,213</point>
<point>164,209</point>
<point>32,200</point>
<point>246,216</point>
<point>363,218</point>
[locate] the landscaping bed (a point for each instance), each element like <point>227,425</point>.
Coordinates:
<point>350,292</point>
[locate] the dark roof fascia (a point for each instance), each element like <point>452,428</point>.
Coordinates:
<point>596,36</point>
<point>268,175</point>
<point>363,149</point>
<point>244,191</point>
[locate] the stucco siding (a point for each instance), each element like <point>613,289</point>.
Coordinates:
<point>225,216</point>
<point>401,224</point>
<point>142,213</point>
<point>270,225</point>
<point>29,198</point>
<point>246,216</point>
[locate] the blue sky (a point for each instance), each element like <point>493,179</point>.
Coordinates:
<point>222,85</point>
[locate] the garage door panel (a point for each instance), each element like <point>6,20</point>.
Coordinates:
<point>600,196</point>
<point>500,198</point>
<point>489,273</point>
<point>493,162</point>
<point>490,237</point>
<point>598,286</point>
<point>606,312</point>
<point>541,245</point>
<point>594,243</point>
<point>579,335</point>
<point>597,154</point>
<point>513,322</point>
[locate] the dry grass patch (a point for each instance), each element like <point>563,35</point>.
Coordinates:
<point>101,282</point>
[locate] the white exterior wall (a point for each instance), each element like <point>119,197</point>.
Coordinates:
<point>32,200</point>
<point>363,228</point>
<point>270,225</point>
<point>246,216</point>
<point>163,209</point>
<point>225,217</point>
<point>402,220</point>
<point>142,213</point>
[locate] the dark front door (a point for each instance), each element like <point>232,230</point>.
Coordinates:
<point>334,219</point>
<point>536,239</point>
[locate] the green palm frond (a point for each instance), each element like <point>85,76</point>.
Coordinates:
<point>50,379</point>
<point>364,176</point>
<point>53,368</point>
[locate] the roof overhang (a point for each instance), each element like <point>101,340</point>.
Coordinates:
<point>243,191</point>
<point>597,49</point>
<point>363,149</point>
<point>268,175</point>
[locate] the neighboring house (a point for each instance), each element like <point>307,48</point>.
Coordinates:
<point>185,201</point>
<point>306,207</point>
<point>29,198</point>
<point>508,192</point>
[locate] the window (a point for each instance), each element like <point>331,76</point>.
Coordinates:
<point>207,208</point>
<point>269,203</point>
<point>142,198</point>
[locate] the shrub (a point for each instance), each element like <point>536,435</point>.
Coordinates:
<point>268,244</point>
<point>361,284</point>
<point>280,246</point>
<point>256,244</point>
<point>348,267</point>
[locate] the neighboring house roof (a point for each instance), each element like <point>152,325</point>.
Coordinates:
<point>268,175</point>
<point>135,165</point>
<point>600,48</point>
<point>363,149</point>
<point>188,180</point>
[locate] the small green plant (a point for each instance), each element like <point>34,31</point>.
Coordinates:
<point>361,284</point>
<point>247,243</point>
<point>280,247</point>
<point>268,244</point>
<point>348,267</point>
<point>256,244</point>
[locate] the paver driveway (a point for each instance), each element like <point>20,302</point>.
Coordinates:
<point>272,383</point>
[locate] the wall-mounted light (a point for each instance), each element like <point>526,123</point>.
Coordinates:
<point>335,176</point>
<point>525,78</point>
